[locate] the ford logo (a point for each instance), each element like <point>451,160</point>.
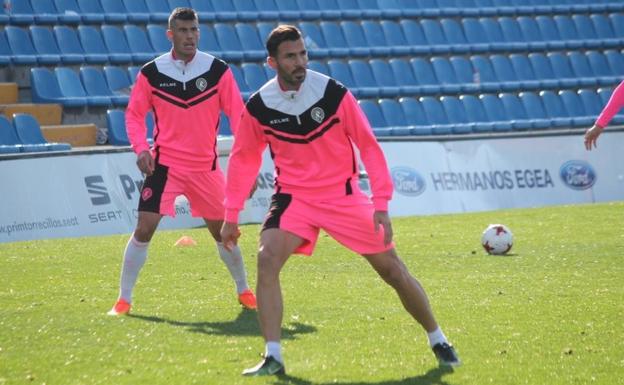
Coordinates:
<point>407,181</point>
<point>577,174</point>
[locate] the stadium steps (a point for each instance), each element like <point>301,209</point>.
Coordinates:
<point>78,135</point>
<point>48,114</point>
<point>8,93</point>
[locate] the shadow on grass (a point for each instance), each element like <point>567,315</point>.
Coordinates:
<point>432,377</point>
<point>245,324</point>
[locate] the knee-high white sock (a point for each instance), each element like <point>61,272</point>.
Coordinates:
<point>134,259</point>
<point>234,262</point>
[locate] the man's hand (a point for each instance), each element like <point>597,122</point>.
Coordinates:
<point>382,218</point>
<point>229,235</point>
<point>146,163</point>
<point>591,136</point>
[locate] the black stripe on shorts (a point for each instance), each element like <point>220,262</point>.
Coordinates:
<point>153,188</point>
<point>279,204</point>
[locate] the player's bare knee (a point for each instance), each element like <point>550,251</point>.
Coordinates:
<point>267,263</point>
<point>393,273</point>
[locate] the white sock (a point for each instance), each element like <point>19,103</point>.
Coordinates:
<point>234,262</point>
<point>134,259</point>
<point>274,349</point>
<point>436,337</point>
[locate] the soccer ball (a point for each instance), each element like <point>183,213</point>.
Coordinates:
<point>497,239</point>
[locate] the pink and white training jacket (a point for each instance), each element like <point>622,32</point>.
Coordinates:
<point>311,134</point>
<point>186,99</point>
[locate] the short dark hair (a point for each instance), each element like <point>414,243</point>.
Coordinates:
<point>280,34</point>
<point>182,13</point>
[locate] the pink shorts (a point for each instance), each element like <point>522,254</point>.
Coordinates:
<point>349,220</point>
<point>203,189</point>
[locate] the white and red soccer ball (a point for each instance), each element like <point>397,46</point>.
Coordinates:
<point>497,239</point>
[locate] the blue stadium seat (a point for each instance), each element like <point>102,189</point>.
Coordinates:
<point>548,29</point>
<point>240,80</point>
<point>364,81</point>
<point>475,35</point>
<point>503,69</point>
<point>247,11</point>
<point>208,41</point>
<point>21,138</point>
<point>21,13</point>
<point>445,74</point>
<point>514,37</point>
<point>116,121</point>
<point>70,47</point>
<point>617,22</point>
<point>484,73</point>
<point>524,71</point>
<point>5,51</point>
<point>375,38</point>
<point>393,34</point>
<point>616,61</point>
<point>133,72</point>
<point>142,50</point>
<point>465,74</point>
<point>591,102</point>
<point>586,31</point>
<point>29,133</point>
<point>71,86</point>
<point>318,66</point>
<point>118,48</point>
<point>604,30</point>
<point>69,11</point>
<point>476,113</point>
<point>224,11</point>
<point>173,4</point>
<point>114,11</point>
<point>289,10</point>
<point>457,116</point>
<point>137,11</point>
<point>436,116</point>
<point>269,8</point>
<point>582,69</point>
<point>601,68</point>
<point>435,36</point>
<point>21,46</point>
<point>329,9</point>
<point>264,30</point>
<point>340,71</point>
<point>555,109</point>
<point>157,35</point>
<point>375,117</point>
<point>390,9</point>
<point>333,36</point>
<point>543,70</point>
<point>91,11</point>
<point>495,112</point>
<point>45,12</point>
<point>231,46</point>
<point>494,35</point>
<point>415,116</point>
<point>45,89</point>
<point>250,41</point>
<point>517,114</point>
<point>455,35</point>
<point>310,10</point>
<point>425,75</point>
<point>315,42</point>
<point>384,78</point>
<point>561,66</point>
<point>117,79</point>
<point>531,32</point>
<point>354,36</point>
<point>573,104</point>
<point>405,79</point>
<point>204,9</point>
<point>605,94</point>
<point>254,75</point>
<point>414,36</point>
<point>158,10</point>
<point>95,85</point>
<point>536,111</point>
<point>224,125</point>
<point>46,47</point>
<point>9,142</point>
<point>568,31</point>
<point>92,43</point>
<point>393,113</point>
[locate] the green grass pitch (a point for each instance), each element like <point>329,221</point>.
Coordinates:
<point>552,312</point>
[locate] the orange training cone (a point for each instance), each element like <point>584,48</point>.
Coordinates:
<point>185,241</point>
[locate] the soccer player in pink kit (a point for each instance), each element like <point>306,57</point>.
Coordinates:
<point>311,124</point>
<point>614,105</point>
<point>186,89</point>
